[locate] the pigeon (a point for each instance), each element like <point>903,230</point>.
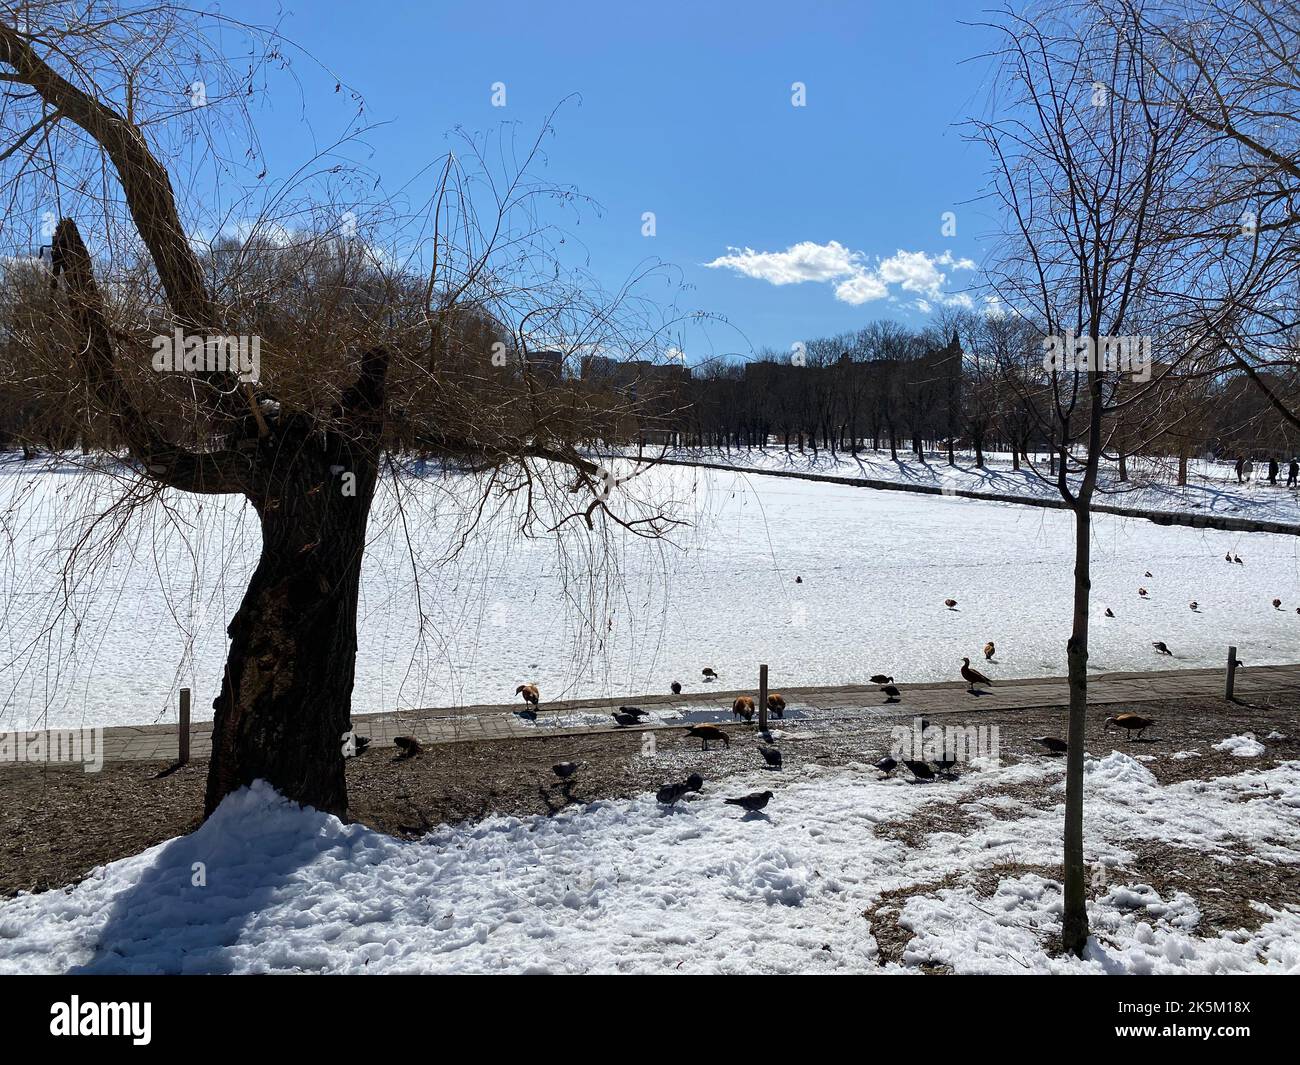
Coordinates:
<point>1160,647</point>
<point>670,793</point>
<point>951,604</point>
<point>945,763</point>
<point>627,719</point>
<point>919,769</point>
<point>411,747</point>
<point>1052,744</point>
<point>695,782</point>
<point>564,770</point>
<point>635,711</point>
<point>1128,722</point>
<point>972,676</point>
<point>880,678</point>
<point>705,733</point>
<point>1110,613</point>
<point>891,692</point>
<point>989,651</point>
<point>360,743</point>
<point>753,802</point>
<point>887,765</point>
<point>676,687</point>
<point>771,756</point>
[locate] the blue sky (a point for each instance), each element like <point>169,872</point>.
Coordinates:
<point>684,110</point>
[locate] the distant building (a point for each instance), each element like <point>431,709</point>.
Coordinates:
<point>545,366</point>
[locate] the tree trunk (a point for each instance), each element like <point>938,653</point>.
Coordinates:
<point>286,692</point>
<point>1074,929</point>
<point>1123,467</point>
<point>1182,466</point>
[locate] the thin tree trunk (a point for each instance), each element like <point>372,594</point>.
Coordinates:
<point>1074,930</point>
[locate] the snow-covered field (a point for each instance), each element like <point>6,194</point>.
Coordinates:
<point>631,886</point>
<point>1212,486</point>
<point>875,568</point>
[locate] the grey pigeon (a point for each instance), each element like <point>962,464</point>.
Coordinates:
<point>635,711</point>
<point>771,756</point>
<point>564,770</point>
<point>1052,744</point>
<point>919,769</point>
<point>887,765</point>
<point>411,747</point>
<point>753,802</point>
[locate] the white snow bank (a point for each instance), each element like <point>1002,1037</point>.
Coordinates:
<point>1243,746</point>
<point>630,886</point>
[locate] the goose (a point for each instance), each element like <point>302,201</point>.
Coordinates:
<point>989,651</point>
<point>880,678</point>
<point>1129,721</point>
<point>1142,592</point>
<point>891,693</point>
<point>705,733</point>
<point>1237,559</point>
<point>529,692</point>
<point>972,676</point>
<point>776,705</point>
<point>1055,746</point>
<point>1227,557</point>
<point>1160,647</point>
<point>1110,613</point>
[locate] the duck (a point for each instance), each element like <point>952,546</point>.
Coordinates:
<point>1237,559</point>
<point>776,705</point>
<point>1110,613</point>
<point>1147,573</point>
<point>1194,605</point>
<point>707,733</point>
<point>1161,649</point>
<point>708,674</point>
<point>635,711</point>
<point>1277,604</point>
<point>880,678</point>
<point>798,580</point>
<point>743,707</point>
<point>891,693</point>
<point>529,692</point>
<point>1142,592</point>
<point>1228,557</point>
<point>409,745</point>
<point>951,604</point>
<point>627,720</point>
<point>1129,721</point>
<point>675,687</point>
<point>989,651</point>
<point>972,676</point>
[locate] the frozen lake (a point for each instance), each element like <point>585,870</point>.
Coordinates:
<point>875,568</point>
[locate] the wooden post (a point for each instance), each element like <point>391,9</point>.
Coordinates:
<point>185,727</point>
<point>1232,672</point>
<point>762,697</point>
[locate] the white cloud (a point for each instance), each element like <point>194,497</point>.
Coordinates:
<point>857,280</point>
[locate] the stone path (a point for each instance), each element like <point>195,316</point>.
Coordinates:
<point>503,721</point>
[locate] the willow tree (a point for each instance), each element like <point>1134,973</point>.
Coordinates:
<point>364,363</point>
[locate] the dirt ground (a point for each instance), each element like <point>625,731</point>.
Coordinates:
<point>57,823</point>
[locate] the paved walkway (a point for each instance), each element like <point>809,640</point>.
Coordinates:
<point>157,743</point>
